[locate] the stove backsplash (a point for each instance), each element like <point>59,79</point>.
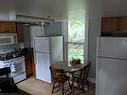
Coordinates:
<point>10,48</point>
<point>3,51</point>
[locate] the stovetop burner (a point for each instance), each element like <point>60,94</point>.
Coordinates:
<point>10,55</point>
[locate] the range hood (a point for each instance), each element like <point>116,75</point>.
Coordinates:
<point>33,19</point>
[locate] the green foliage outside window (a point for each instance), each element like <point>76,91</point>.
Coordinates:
<point>76,31</point>
<point>76,36</point>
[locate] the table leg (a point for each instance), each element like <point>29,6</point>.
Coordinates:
<point>72,83</point>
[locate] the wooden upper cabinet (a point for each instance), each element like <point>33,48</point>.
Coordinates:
<point>10,27</point>
<point>7,27</point>
<point>123,24</point>
<point>13,27</point>
<point>114,24</point>
<point>20,32</point>
<point>110,24</point>
<point>2,27</point>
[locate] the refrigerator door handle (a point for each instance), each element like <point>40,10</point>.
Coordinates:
<point>43,52</point>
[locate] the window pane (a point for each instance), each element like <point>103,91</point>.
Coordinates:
<point>76,51</point>
<point>76,30</point>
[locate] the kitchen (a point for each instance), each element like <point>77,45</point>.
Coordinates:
<point>94,14</point>
<point>21,45</point>
<point>35,30</point>
<point>17,49</point>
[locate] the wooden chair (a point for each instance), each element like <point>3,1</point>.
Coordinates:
<point>82,78</point>
<point>7,84</point>
<point>59,78</point>
<point>5,72</point>
<point>76,61</point>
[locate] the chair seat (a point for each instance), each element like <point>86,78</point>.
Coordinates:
<point>7,85</point>
<point>82,78</point>
<point>77,74</point>
<point>61,80</point>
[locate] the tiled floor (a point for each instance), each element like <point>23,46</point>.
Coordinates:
<point>37,87</point>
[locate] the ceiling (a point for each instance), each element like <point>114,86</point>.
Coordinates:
<point>62,9</point>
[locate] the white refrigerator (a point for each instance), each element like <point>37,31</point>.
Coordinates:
<point>111,66</point>
<point>47,50</point>
<point>37,30</point>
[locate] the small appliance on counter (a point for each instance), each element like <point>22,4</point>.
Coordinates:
<point>8,38</point>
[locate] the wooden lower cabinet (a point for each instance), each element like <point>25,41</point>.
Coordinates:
<point>29,63</point>
<point>33,65</point>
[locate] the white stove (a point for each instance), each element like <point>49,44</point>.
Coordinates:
<point>17,66</point>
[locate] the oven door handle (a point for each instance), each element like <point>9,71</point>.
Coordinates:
<point>6,65</point>
<point>12,66</point>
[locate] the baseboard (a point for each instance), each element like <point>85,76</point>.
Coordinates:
<point>92,80</point>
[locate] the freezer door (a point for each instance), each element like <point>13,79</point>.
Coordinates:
<point>35,31</point>
<point>42,44</point>
<point>42,67</point>
<point>115,47</point>
<point>111,77</point>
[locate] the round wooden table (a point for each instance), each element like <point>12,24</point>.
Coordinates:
<point>70,68</point>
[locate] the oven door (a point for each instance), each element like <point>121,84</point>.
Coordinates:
<point>17,67</point>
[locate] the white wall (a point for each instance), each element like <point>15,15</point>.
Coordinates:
<point>7,10</point>
<point>94,32</point>
<point>4,10</point>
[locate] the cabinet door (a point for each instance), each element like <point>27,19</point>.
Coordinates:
<point>10,27</point>
<point>123,24</point>
<point>28,65</point>
<point>2,27</point>
<point>33,64</point>
<point>20,32</point>
<point>109,24</point>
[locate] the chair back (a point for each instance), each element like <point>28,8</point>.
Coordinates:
<point>56,73</point>
<point>5,71</point>
<point>7,84</point>
<point>85,71</point>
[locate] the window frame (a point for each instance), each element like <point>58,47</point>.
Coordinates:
<point>65,33</point>
<point>67,43</point>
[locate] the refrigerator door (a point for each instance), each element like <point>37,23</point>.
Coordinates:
<point>42,67</point>
<point>112,77</point>
<point>113,47</point>
<point>42,44</point>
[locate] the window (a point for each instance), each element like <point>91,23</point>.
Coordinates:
<point>76,39</point>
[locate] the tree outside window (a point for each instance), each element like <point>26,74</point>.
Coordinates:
<point>76,36</point>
